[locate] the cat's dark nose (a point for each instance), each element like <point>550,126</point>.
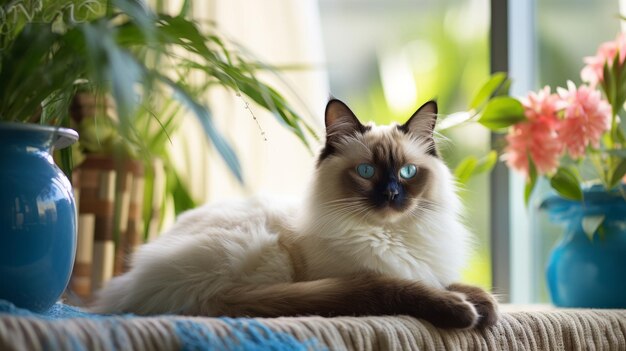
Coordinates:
<point>391,194</point>
<point>392,191</point>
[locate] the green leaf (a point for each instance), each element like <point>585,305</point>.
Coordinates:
<point>504,89</point>
<point>531,182</point>
<point>617,152</point>
<point>621,138</point>
<point>486,163</point>
<point>465,169</point>
<point>529,187</point>
<point>149,191</point>
<point>114,65</point>
<point>618,174</point>
<point>185,33</point>
<point>591,224</point>
<point>184,8</point>
<point>608,84</point>
<point>141,15</point>
<point>619,76</point>
<point>180,193</point>
<point>204,117</point>
<point>502,112</point>
<point>471,166</point>
<point>567,184</point>
<point>66,162</point>
<point>488,90</point>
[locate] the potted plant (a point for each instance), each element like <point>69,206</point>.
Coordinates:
<point>575,139</point>
<point>117,50</point>
<point>37,208</point>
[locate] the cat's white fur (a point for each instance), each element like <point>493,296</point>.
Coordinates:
<point>215,248</point>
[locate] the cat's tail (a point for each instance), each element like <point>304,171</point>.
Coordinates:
<point>360,295</point>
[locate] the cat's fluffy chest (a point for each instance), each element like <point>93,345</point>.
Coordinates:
<point>394,250</point>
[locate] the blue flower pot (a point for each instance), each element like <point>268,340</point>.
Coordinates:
<point>37,216</point>
<point>584,272</point>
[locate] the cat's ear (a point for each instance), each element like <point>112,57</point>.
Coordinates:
<point>422,124</point>
<point>340,120</point>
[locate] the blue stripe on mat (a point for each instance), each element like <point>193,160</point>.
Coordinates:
<point>243,334</point>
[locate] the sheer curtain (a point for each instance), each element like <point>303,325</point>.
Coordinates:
<point>283,33</point>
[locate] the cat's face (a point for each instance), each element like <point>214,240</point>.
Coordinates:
<point>378,173</point>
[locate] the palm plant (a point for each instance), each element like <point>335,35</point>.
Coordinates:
<point>138,59</point>
<point>50,49</point>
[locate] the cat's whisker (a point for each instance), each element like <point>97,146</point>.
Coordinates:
<point>345,199</point>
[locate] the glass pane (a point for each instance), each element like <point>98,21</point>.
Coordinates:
<point>386,58</point>
<point>569,30</point>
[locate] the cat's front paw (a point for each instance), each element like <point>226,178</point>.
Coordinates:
<point>486,305</point>
<point>451,310</point>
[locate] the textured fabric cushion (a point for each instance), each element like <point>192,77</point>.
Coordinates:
<point>66,328</point>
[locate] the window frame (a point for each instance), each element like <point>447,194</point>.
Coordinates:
<point>512,50</point>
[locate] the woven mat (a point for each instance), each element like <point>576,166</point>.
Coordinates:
<point>67,328</point>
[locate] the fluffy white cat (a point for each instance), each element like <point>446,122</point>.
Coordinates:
<point>380,233</point>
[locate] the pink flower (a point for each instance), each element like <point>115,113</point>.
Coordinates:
<point>587,116</point>
<point>542,106</point>
<point>593,72</point>
<point>536,138</point>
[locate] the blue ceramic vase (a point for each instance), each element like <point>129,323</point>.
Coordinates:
<point>584,272</point>
<point>37,216</point>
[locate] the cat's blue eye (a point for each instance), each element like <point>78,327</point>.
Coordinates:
<point>408,171</point>
<point>365,170</point>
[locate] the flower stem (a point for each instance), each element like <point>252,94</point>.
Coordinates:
<point>614,138</point>
<point>596,159</point>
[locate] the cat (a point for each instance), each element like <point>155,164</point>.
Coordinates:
<point>379,234</point>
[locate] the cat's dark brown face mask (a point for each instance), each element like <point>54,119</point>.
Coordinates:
<point>387,169</point>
